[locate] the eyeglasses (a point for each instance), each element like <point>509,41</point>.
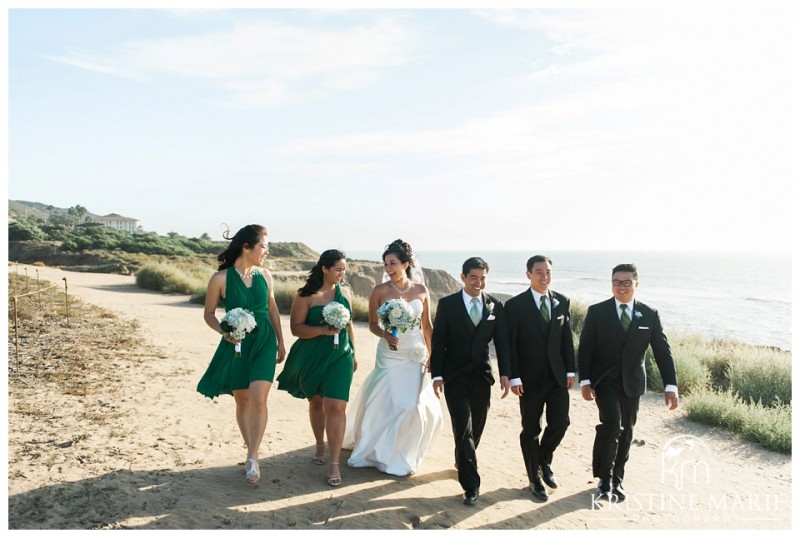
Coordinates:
<point>623,283</point>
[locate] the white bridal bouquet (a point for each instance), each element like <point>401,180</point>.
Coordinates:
<point>239,322</point>
<point>396,315</point>
<point>337,316</point>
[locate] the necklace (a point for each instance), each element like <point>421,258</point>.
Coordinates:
<point>247,276</point>
<point>401,291</point>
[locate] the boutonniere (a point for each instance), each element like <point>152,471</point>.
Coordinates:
<point>555,302</point>
<point>637,314</point>
<point>489,311</point>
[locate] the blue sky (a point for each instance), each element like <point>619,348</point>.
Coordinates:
<point>452,128</point>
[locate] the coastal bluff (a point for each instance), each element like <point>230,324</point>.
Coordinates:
<point>286,260</point>
<point>364,275</point>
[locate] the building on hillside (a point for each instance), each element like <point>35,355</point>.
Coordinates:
<point>118,222</point>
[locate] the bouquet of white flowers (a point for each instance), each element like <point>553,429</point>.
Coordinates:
<point>396,315</point>
<point>239,322</point>
<point>337,316</point>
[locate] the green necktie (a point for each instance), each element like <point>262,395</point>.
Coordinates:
<point>625,319</point>
<point>474,315</point>
<point>543,309</point>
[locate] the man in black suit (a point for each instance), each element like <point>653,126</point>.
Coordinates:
<point>611,357</point>
<point>542,370</point>
<point>465,323</point>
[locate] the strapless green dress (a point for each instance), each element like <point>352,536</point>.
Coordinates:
<point>313,367</point>
<point>226,372</point>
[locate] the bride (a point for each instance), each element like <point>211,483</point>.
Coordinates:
<point>396,416</point>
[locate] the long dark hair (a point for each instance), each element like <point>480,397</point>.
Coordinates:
<point>403,251</point>
<point>248,236</point>
<point>316,277</point>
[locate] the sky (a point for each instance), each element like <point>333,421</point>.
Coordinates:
<point>454,129</point>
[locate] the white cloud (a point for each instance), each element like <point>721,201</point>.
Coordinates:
<point>90,63</point>
<point>264,63</point>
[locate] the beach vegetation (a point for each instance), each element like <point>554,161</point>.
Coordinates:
<point>742,388</point>
<point>168,278</point>
<point>25,229</point>
<point>577,316</point>
<point>770,426</point>
<point>68,345</point>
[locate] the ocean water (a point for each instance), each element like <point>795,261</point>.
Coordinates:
<point>731,296</point>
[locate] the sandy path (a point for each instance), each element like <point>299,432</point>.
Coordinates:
<point>178,464</point>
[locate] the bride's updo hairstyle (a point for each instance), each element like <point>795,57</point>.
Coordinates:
<point>248,236</point>
<point>404,253</point>
<point>315,277</point>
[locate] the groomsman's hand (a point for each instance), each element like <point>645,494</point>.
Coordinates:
<point>505,385</point>
<point>518,390</point>
<point>587,392</point>
<point>570,381</point>
<point>437,387</point>
<point>671,399</point>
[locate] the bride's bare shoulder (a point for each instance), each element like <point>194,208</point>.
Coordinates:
<point>381,288</point>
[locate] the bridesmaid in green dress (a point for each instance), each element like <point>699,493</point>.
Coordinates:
<point>241,282</point>
<point>314,369</point>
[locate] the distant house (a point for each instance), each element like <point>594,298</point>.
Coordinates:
<point>118,222</point>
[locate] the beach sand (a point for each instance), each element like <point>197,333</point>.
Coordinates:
<point>168,458</point>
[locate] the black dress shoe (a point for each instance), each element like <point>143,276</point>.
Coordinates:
<point>537,488</point>
<point>548,476</point>
<point>471,497</point>
<point>618,492</point>
<point>604,488</point>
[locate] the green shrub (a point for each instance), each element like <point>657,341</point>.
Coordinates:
<point>360,308</point>
<point>769,426</point>
<point>687,350</point>
<point>285,290</point>
<point>24,229</point>
<point>168,279</point>
<point>719,368</point>
<point>577,317</point>
<point>716,409</point>
<point>762,374</point>
<point>199,296</point>
<point>202,273</point>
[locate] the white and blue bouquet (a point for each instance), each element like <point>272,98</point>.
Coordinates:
<point>396,316</point>
<point>239,322</point>
<point>337,316</point>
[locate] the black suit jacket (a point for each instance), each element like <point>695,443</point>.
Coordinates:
<point>458,344</point>
<point>538,348</point>
<point>605,347</point>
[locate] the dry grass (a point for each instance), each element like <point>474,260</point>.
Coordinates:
<point>77,363</point>
<point>71,354</point>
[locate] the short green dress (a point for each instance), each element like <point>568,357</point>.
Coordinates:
<point>227,372</point>
<point>314,367</point>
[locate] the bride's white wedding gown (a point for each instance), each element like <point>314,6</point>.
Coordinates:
<point>396,416</point>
